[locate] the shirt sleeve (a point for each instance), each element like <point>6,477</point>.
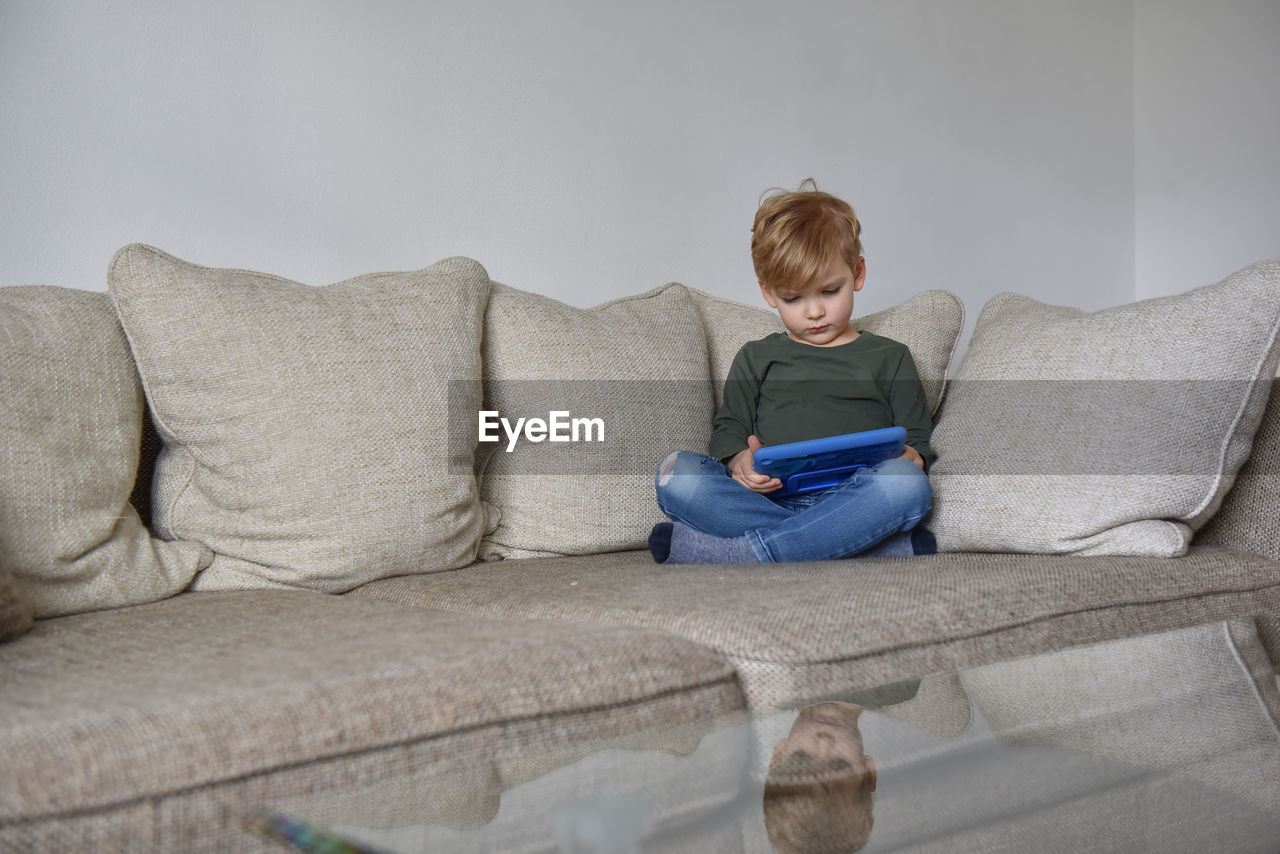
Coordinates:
<point>911,408</point>
<point>736,418</point>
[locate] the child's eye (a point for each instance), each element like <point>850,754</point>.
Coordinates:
<point>831,291</point>
<point>790,300</point>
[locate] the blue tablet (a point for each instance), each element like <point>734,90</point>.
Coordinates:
<point>819,463</point>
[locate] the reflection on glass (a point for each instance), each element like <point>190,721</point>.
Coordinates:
<point>818,792</point>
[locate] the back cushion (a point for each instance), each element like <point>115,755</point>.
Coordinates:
<point>70,425</point>
<point>1114,432</point>
<point>1250,514</point>
<point>638,366</point>
<point>307,437</point>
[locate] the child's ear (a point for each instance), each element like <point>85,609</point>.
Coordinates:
<point>768,295</point>
<point>860,273</point>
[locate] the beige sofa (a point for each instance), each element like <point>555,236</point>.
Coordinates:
<point>206,646</point>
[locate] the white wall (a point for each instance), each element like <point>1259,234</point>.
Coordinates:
<point>1207,119</point>
<point>579,148</point>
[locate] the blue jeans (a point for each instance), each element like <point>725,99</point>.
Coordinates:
<point>871,505</point>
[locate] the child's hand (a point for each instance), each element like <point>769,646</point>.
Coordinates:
<point>912,454</point>
<point>744,472</point>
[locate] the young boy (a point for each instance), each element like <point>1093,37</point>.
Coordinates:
<point>820,378</point>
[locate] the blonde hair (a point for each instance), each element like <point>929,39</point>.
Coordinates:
<point>796,233</point>
<point>812,811</point>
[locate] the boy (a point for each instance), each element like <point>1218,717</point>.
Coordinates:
<point>820,378</point>
<point>817,794</point>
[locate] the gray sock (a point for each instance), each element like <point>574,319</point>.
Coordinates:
<point>689,545</point>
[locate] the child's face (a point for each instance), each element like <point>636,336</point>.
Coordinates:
<point>818,312</point>
<point>826,738</point>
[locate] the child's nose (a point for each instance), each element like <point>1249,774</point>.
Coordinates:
<point>814,309</point>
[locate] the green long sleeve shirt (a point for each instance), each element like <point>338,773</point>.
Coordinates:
<point>781,391</point>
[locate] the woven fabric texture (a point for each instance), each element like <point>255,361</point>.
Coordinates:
<point>70,421</point>
<point>16,611</point>
<point>639,364</point>
<point>1250,514</point>
<point>1113,432</point>
<point>929,323</point>
<point>307,432</point>
<point>804,630</point>
<point>233,701</point>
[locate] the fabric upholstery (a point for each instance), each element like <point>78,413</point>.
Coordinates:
<point>307,432</point>
<point>16,611</point>
<point>167,725</point>
<point>929,323</point>
<point>798,631</point>
<point>1249,518</point>
<point>70,420</point>
<point>639,364</point>
<point>1112,432</point>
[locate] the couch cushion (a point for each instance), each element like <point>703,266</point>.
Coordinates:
<point>307,437</point>
<point>929,323</point>
<point>638,364</point>
<point>803,630</point>
<point>169,724</point>
<point>70,422</point>
<point>1113,432</point>
<point>1249,518</point>
<point>15,607</point>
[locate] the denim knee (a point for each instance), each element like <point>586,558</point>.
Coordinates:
<point>906,486</point>
<point>680,478</point>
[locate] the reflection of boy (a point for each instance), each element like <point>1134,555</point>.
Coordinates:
<point>817,795</point>
<point>820,378</point>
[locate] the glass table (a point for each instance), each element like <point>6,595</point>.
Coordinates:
<point>1166,742</point>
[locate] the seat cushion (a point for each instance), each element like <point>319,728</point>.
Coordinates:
<point>308,437</point>
<point>804,630</point>
<point>167,725</point>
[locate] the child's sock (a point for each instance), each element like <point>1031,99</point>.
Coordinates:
<point>923,542</point>
<point>660,541</point>
<point>675,543</point>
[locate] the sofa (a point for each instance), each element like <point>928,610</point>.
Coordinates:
<point>258,549</point>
